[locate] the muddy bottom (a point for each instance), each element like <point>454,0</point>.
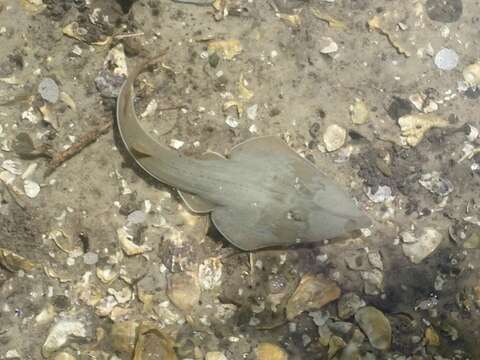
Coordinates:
<point>99,260</point>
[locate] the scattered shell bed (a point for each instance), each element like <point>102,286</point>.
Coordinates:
<point>98,261</point>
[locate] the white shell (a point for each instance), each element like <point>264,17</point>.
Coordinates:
<point>446,59</point>
<point>7,177</point>
<point>61,332</point>
<point>116,58</point>
<point>13,167</point>
<point>31,188</point>
<point>231,121</point>
<point>328,46</point>
<point>176,144</point>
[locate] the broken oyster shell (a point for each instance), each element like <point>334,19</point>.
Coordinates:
<point>183,291</point>
<point>60,332</point>
<point>128,246</point>
<point>313,292</point>
<point>426,244</point>
<point>435,184</point>
<point>414,127</point>
<point>14,262</point>
<point>227,48</point>
<point>124,335</point>
<point>359,112</point>
<point>334,137</point>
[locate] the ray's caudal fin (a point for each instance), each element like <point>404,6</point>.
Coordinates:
<point>128,125</point>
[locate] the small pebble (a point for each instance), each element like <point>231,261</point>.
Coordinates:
<point>252,112</point>
<point>136,217</point>
<point>445,11</point>
<point>446,59</point>
<point>383,193</point>
<point>12,354</point>
<point>90,258</point>
<point>431,337</point>
<point>348,305</point>
<point>327,45</point>
<point>183,291</point>
<point>123,335</point>
<point>64,356</point>
<point>269,351</point>
<point>376,326</point>
<point>48,90</point>
<point>215,355</point>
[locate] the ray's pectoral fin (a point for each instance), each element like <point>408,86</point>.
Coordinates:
<point>247,229</point>
<point>194,202</point>
<point>275,154</point>
<point>266,146</point>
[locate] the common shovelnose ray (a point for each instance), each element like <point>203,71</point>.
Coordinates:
<point>263,194</point>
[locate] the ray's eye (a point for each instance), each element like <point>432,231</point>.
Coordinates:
<point>294,215</point>
<point>300,186</point>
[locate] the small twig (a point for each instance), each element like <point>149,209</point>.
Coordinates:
<point>252,269</point>
<point>470,154</point>
<point>195,2</point>
<point>124,36</point>
<point>86,139</point>
<point>176,107</point>
<point>16,99</point>
<point>274,6</point>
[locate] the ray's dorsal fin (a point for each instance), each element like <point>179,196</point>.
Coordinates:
<point>271,150</point>
<point>262,146</point>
